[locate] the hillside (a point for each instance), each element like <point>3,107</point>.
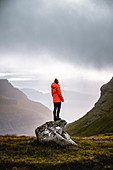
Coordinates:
<point>18,114</point>
<point>99,119</point>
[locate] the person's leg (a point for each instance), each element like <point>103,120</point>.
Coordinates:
<point>54,111</point>
<point>58,109</point>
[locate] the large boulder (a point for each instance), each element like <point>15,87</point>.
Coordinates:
<point>53,131</point>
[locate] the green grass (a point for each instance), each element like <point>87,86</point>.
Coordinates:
<point>24,152</point>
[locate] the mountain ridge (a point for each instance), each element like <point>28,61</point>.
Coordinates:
<point>18,114</point>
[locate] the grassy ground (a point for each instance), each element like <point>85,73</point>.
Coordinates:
<point>24,152</point>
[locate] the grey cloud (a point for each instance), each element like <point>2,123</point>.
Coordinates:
<point>20,76</point>
<point>69,32</point>
<point>104,3</point>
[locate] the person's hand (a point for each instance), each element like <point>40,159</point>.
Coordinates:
<point>62,100</point>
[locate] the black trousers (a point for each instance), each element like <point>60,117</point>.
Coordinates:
<point>56,110</point>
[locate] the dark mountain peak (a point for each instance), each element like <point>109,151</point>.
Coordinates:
<point>111,79</point>
<point>107,88</point>
<point>5,82</point>
<point>6,89</point>
<point>106,94</point>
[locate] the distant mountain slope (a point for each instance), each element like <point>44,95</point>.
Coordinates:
<point>99,119</point>
<point>35,95</point>
<point>18,114</point>
<point>75,105</point>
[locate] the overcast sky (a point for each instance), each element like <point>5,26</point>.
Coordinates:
<point>68,39</point>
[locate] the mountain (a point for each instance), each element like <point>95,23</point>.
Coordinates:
<point>35,95</point>
<point>99,119</point>
<point>75,104</point>
<point>18,114</point>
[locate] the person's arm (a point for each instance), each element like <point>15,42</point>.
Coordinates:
<point>52,91</point>
<point>59,93</point>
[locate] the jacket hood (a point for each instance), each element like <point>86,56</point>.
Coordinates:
<point>54,85</point>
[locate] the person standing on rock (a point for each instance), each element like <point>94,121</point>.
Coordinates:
<point>57,98</point>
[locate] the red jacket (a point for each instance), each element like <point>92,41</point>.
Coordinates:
<point>56,93</point>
